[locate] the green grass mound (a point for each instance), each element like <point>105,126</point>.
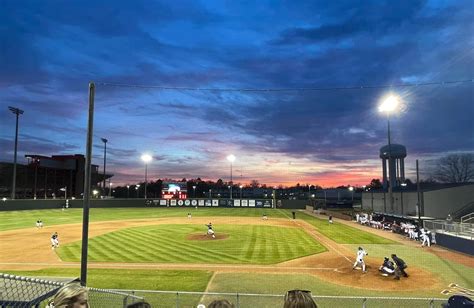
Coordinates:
<point>245,244</point>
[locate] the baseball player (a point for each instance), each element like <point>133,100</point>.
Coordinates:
<point>210,231</point>
<point>330,219</point>
<point>189,216</point>
<point>265,217</point>
<point>38,225</point>
<point>361,253</point>
<point>425,237</point>
<point>54,240</point>
<point>387,268</point>
<point>401,266</point>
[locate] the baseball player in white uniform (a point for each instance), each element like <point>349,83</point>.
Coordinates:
<point>425,237</point>
<point>361,253</point>
<point>54,240</point>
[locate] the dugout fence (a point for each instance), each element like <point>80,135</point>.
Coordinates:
<point>17,291</point>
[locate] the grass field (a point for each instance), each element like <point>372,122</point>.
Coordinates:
<point>246,244</point>
<point>168,244</point>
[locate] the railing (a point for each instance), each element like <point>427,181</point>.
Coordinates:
<point>465,230</point>
<point>243,300</point>
<point>467,218</point>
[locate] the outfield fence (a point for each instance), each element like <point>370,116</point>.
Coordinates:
<point>17,291</point>
<point>181,299</point>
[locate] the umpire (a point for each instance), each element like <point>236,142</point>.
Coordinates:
<point>401,266</point>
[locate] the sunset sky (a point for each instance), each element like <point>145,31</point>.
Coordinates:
<point>52,49</point>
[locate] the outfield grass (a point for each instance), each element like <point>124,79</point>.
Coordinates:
<point>137,279</point>
<point>27,219</point>
<point>249,244</point>
<point>343,234</point>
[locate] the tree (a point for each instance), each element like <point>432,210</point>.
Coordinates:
<point>375,184</point>
<point>455,168</point>
<point>254,184</point>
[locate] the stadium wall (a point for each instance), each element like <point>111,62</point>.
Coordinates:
<point>455,243</point>
<point>440,203</point>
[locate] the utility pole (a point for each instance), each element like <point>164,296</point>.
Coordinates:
<point>17,112</point>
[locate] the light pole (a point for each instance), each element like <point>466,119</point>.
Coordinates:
<point>17,112</point>
<point>110,189</point>
<point>65,191</point>
<point>309,192</point>
<point>351,189</point>
<point>389,104</point>
<point>241,186</point>
<point>146,159</point>
<point>128,191</point>
<point>210,193</point>
<point>105,156</point>
<point>231,159</point>
<point>137,187</point>
<point>194,191</point>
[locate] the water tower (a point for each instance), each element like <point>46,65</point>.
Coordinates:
<point>395,162</point>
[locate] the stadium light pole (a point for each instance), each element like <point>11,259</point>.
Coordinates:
<point>146,159</point>
<point>128,191</point>
<point>210,193</point>
<point>137,187</point>
<point>194,191</point>
<point>105,161</point>
<point>65,191</point>
<point>17,112</point>
<point>389,105</point>
<point>241,192</point>
<point>110,189</point>
<point>231,159</point>
<point>351,189</point>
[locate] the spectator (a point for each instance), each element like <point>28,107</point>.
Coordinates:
<point>139,305</point>
<point>221,303</point>
<point>72,295</point>
<point>299,299</point>
<point>459,301</point>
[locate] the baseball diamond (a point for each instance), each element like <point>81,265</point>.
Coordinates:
<point>163,249</point>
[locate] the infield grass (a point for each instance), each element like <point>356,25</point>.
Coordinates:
<point>246,244</point>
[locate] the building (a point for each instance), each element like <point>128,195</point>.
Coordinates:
<point>436,200</point>
<point>48,177</point>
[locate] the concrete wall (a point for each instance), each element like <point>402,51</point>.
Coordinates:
<point>292,204</point>
<point>440,203</point>
<point>404,203</point>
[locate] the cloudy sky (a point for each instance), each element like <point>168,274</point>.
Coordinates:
<point>50,50</point>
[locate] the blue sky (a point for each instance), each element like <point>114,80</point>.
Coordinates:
<point>52,49</point>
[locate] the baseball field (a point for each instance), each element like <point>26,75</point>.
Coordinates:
<point>163,249</point>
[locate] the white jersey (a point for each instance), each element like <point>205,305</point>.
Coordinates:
<point>360,255</point>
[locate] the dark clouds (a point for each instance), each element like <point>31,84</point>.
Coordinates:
<point>50,51</point>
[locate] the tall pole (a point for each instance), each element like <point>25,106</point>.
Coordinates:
<point>17,112</point>
<point>146,173</point>
<point>418,192</point>
<point>87,185</point>
<point>105,160</point>
<point>231,180</point>
<point>390,191</point>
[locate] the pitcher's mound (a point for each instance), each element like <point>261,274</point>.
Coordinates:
<point>205,237</point>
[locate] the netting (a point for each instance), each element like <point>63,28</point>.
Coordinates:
<point>17,291</point>
<point>241,300</point>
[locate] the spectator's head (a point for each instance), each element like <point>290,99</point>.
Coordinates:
<point>139,305</point>
<point>299,299</point>
<point>72,295</point>
<point>385,259</point>
<point>221,303</point>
